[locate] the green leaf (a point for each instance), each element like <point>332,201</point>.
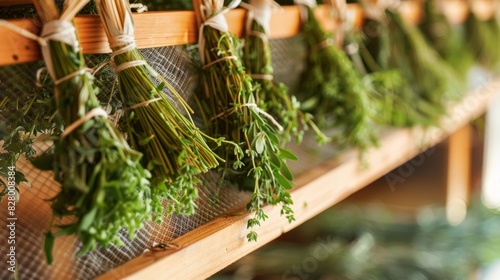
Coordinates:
<point>48,245</point>
<point>260,143</point>
<point>43,161</point>
<point>88,219</point>
<point>288,154</point>
<point>286,172</point>
<point>285,183</point>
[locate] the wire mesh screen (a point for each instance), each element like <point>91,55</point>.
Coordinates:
<point>33,212</point>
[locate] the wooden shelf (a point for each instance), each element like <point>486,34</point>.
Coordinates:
<point>211,247</point>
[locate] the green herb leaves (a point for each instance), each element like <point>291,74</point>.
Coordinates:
<point>254,161</point>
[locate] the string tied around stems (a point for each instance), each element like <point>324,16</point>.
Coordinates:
<point>376,11</point>
<point>63,31</point>
<point>213,17</point>
<point>261,12</point>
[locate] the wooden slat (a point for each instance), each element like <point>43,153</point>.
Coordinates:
<point>213,246</point>
<point>153,29</point>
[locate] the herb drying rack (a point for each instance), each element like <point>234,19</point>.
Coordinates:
<point>211,247</point>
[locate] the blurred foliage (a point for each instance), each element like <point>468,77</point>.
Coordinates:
<point>371,242</point>
<point>449,41</point>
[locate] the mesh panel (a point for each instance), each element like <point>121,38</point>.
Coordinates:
<point>33,212</point>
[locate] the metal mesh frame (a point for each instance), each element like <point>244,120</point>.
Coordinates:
<point>33,212</point>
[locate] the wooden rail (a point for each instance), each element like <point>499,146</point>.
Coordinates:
<point>211,247</point>
<point>153,29</point>
<point>156,29</point>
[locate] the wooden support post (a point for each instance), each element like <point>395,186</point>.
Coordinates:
<point>458,175</point>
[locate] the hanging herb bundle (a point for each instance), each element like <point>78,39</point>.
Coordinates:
<point>332,89</point>
<point>447,39</point>
<point>103,185</point>
<point>272,96</point>
<point>390,94</point>
<point>483,33</point>
<point>174,149</point>
<point>429,82</point>
<point>255,162</point>
<point>430,76</point>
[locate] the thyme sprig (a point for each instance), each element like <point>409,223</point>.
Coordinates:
<point>228,106</point>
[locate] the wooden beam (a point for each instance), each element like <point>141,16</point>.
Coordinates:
<point>211,247</point>
<point>153,29</point>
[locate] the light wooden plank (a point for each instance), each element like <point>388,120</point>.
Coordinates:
<point>153,29</point>
<point>204,251</point>
<point>458,175</point>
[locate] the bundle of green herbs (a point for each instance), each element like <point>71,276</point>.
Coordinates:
<point>174,149</point>
<point>331,88</point>
<point>390,93</point>
<point>428,81</point>
<point>447,38</point>
<point>272,96</point>
<point>483,33</point>
<point>104,188</point>
<point>227,102</point>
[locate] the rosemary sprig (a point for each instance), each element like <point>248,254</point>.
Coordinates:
<point>255,162</point>
<point>174,149</point>
<point>272,96</point>
<point>104,188</point>
<point>332,89</point>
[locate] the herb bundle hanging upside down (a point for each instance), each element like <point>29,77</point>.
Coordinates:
<point>255,162</point>
<point>104,188</point>
<point>272,96</point>
<point>174,149</point>
<point>332,89</point>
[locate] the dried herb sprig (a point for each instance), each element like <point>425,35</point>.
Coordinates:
<point>272,96</point>
<point>104,188</point>
<point>256,163</point>
<point>332,89</point>
<point>174,149</point>
<point>25,116</point>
